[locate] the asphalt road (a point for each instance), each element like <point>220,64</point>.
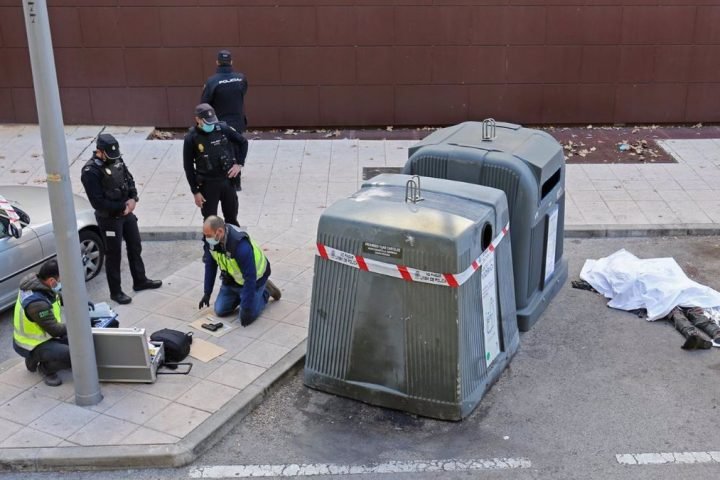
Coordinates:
<point>587,384</point>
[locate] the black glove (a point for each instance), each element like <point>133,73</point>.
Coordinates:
<point>246,317</point>
<point>204,301</point>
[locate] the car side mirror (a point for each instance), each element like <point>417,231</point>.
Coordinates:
<point>15,229</point>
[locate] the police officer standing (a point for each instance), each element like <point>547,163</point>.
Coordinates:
<point>210,162</point>
<point>111,190</point>
<point>225,92</point>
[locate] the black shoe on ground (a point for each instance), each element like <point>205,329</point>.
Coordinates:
<point>121,298</point>
<point>31,364</point>
<point>274,291</point>
<point>52,380</point>
<point>696,342</point>
<point>148,285</point>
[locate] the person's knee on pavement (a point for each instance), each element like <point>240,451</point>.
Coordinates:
<point>223,310</point>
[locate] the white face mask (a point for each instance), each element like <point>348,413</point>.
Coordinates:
<point>57,287</point>
<point>213,241</point>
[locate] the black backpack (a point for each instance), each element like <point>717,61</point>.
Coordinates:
<point>177,344</point>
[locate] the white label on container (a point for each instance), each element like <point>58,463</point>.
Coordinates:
<point>489,306</point>
<point>551,244</point>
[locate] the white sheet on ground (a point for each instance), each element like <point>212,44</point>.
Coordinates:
<point>655,284</point>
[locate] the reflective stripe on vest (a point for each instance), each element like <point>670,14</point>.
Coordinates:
<point>26,333</point>
<point>229,265</point>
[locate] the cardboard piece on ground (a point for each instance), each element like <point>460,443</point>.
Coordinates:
<point>227,326</point>
<point>205,351</point>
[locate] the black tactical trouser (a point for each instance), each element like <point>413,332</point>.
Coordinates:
<point>240,126</point>
<point>222,191</point>
<point>115,230</point>
<point>53,355</point>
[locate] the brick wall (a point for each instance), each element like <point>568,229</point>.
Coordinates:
<point>377,62</point>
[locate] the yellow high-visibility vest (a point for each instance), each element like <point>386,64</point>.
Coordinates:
<point>229,265</point>
<point>26,333</point>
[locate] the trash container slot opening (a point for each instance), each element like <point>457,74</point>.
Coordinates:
<point>550,183</point>
<point>487,236</point>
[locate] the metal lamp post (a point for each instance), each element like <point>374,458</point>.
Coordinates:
<point>47,97</point>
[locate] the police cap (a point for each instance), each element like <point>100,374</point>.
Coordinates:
<point>206,113</point>
<point>224,57</point>
<point>109,145</point>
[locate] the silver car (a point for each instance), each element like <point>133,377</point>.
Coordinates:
<point>37,242</point>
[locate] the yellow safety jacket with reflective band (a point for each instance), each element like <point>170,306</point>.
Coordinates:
<point>229,265</point>
<point>28,334</point>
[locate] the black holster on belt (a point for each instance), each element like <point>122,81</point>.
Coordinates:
<point>227,279</point>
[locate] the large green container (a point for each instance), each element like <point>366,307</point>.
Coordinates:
<point>529,166</point>
<point>425,348</point>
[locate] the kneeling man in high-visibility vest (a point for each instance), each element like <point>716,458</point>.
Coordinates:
<point>244,271</point>
<point>39,334</point>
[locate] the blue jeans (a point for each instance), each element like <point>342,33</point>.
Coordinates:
<point>228,300</point>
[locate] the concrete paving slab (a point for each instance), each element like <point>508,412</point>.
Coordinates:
<point>27,407</point>
<point>236,374</point>
<point>208,396</point>
<point>177,420</point>
<point>103,430</point>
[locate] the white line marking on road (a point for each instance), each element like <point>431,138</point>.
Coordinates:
<point>302,470</point>
<point>671,458</point>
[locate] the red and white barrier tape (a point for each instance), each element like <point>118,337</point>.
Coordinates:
<point>11,213</point>
<point>409,274</point>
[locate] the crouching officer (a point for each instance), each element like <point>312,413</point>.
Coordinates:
<point>38,332</point>
<point>245,271</point>
<point>111,190</point>
<point>210,163</point>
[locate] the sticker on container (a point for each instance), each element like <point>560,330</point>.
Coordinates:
<point>551,244</point>
<point>382,250</point>
<point>489,306</point>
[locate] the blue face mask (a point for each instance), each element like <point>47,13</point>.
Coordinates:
<point>212,241</point>
<point>57,287</point>
<point>207,128</point>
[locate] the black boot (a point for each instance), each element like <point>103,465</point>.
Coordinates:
<point>695,341</point>
<point>121,298</point>
<point>148,285</point>
<point>31,364</point>
<point>50,379</point>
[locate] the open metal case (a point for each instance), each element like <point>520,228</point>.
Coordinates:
<point>123,355</point>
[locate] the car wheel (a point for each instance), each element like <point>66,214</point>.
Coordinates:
<point>92,252</point>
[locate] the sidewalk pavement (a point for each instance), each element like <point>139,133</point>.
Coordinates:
<point>286,186</point>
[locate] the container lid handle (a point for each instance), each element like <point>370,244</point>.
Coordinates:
<point>412,190</point>
<point>488,129</point>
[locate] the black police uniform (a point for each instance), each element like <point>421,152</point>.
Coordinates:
<point>207,157</point>
<point>109,185</point>
<point>225,92</point>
